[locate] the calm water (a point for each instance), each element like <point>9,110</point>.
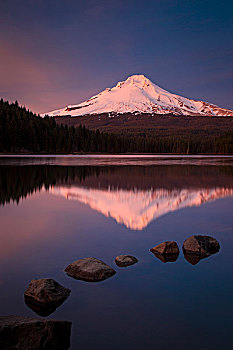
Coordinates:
<point>54,210</point>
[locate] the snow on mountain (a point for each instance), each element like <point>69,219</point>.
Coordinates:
<point>138,94</point>
<point>136,209</point>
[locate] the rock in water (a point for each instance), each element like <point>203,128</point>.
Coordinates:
<point>166,257</point>
<point>125,260</point>
<point>44,295</point>
<point>89,270</point>
<point>168,247</point>
<point>201,245</point>
<point>193,259</point>
<point>167,251</point>
<point>26,333</point>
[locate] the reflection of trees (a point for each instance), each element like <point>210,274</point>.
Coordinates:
<point>17,182</point>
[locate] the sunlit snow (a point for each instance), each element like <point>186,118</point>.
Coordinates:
<point>139,94</point>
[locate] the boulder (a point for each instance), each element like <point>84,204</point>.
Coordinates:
<point>44,295</point>
<point>166,252</point>
<point>168,247</point>
<point>125,260</point>
<point>26,333</point>
<point>89,270</point>
<point>201,245</point>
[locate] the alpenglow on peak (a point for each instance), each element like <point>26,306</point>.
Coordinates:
<point>137,94</point>
<point>138,78</point>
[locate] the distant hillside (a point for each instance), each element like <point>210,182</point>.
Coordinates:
<point>153,126</point>
<point>21,131</point>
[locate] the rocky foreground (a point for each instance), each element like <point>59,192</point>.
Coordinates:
<point>27,333</point>
<point>44,295</point>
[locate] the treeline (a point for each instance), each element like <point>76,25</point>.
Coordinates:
<point>23,131</point>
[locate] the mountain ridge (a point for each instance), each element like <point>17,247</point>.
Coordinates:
<point>137,94</point>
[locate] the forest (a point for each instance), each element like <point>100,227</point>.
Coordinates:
<point>22,131</point>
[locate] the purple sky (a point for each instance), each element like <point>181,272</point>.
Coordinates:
<point>54,53</point>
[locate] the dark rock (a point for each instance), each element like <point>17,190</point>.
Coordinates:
<point>201,245</point>
<point>166,257</point>
<point>166,252</point>
<point>125,260</point>
<point>26,333</point>
<point>41,310</point>
<point>89,270</point>
<point>168,247</point>
<point>44,295</point>
<point>193,259</point>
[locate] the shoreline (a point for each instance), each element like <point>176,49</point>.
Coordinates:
<point>115,155</point>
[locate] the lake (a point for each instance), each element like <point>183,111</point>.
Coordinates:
<point>55,210</point>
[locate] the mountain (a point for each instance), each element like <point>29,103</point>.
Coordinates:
<point>138,94</point>
<point>137,208</point>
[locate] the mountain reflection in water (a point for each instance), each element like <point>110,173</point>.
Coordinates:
<point>132,195</point>
<point>136,208</point>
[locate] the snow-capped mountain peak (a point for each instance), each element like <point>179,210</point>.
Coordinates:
<point>138,94</point>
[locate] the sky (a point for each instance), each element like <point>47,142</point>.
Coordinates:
<point>57,53</point>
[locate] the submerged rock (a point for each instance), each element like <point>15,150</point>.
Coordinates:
<point>193,259</point>
<point>166,257</point>
<point>125,260</point>
<point>89,270</point>
<point>166,252</point>
<point>44,295</point>
<point>26,333</point>
<point>202,246</point>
